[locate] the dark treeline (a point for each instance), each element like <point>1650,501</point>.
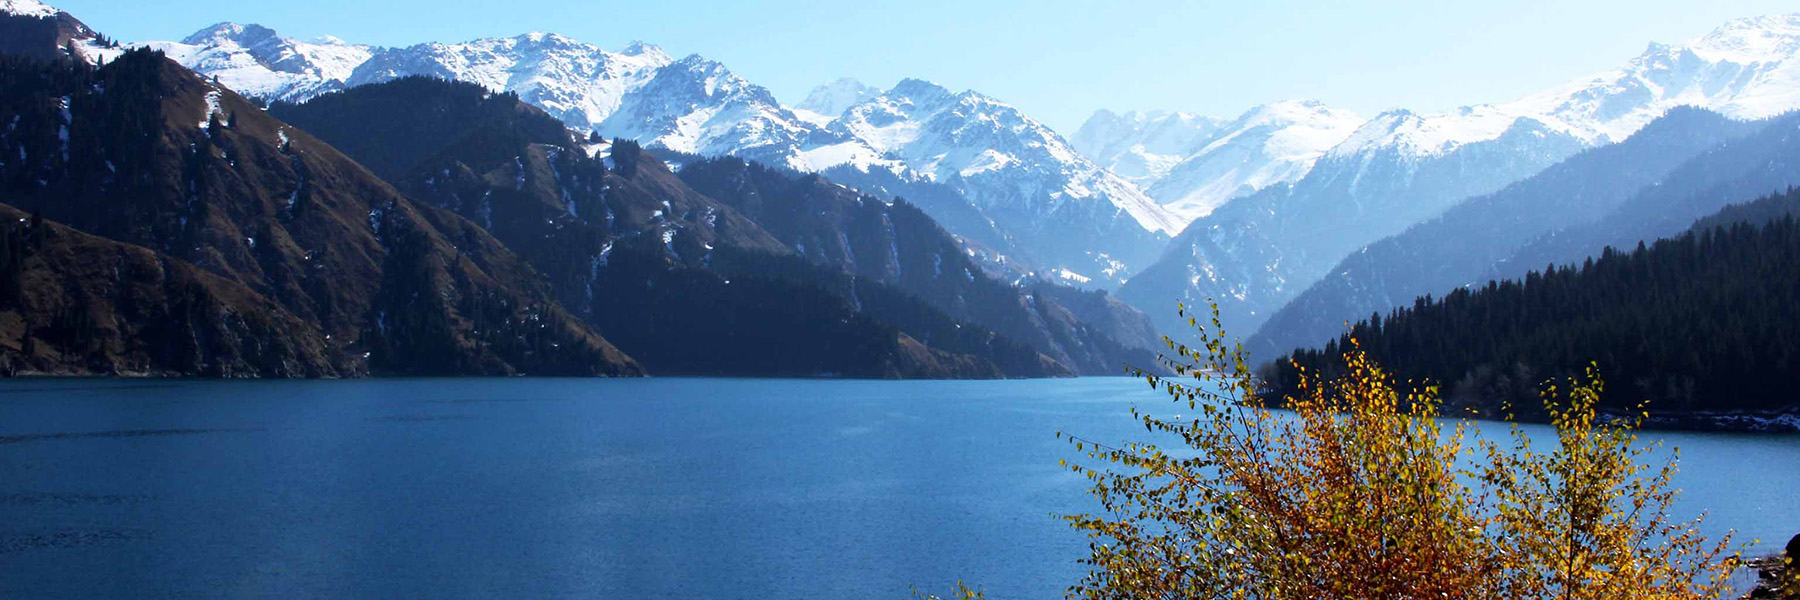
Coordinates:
<point>1701,322</point>
<point>395,127</point>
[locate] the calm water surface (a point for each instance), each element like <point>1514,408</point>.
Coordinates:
<point>662,488</point>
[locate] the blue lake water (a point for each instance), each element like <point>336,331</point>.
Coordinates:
<point>657,488</point>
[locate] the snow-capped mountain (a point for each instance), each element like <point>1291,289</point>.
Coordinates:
<point>1746,69</point>
<point>1614,193</point>
<point>989,146</point>
<point>697,106</point>
<point>1192,164</point>
<point>1256,252</point>
<point>1269,145</point>
<point>579,83</point>
<point>689,105</point>
<point>828,101</point>
<point>1066,213</point>
<point>252,60</point>
<point>1074,218</point>
<point>1143,147</point>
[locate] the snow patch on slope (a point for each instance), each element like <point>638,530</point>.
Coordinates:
<point>27,8</point>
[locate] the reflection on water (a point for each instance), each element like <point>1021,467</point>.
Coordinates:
<point>662,488</point>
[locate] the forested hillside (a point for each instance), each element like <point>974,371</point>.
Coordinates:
<point>145,153</point>
<point>729,254</point>
<point>1700,323</point>
<point>1467,243</point>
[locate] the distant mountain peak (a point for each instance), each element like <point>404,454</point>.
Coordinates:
<point>832,99</point>
<point>642,48</point>
<point>241,34</point>
<point>1743,69</point>
<point>915,87</point>
<point>996,157</point>
<point>254,60</point>
<point>1767,38</point>
<point>1402,167</point>
<point>699,63</point>
<point>1293,110</point>
<point>1191,164</point>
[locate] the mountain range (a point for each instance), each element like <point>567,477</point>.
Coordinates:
<point>1256,253</point>
<point>439,227</point>
<point>1059,210</point>
<point>1192,164</point>
<point>613,170</point>
<point>1311,183</point>
<point>1681,167</point>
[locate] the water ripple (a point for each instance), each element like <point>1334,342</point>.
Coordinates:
<point>123,433</point>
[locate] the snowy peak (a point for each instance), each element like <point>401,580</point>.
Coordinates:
<point>646,51</point>
<point>692,104</point>
<point>1770,38</point>
<point>256,61</point>
<point>1412,134</point>
<point>27,8</point>
<point>228,32</point>
<point>698,106</point>
<point>712,80</point>
<point>1192,164</point>
<point>1401,167</point>
<point>1008,166</point>
<point>1291,112</point>
<point>997,155</point>
<point>832,99</point>
<point>1268,145</point>
<point>1143,147</point>
<point>913,87</point>
<point>577,82</point>
<point>1745,69</point>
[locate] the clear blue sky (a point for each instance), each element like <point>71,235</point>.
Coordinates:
<point>1059,61</point>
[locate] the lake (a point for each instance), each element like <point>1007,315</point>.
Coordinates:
<point>652,488</point>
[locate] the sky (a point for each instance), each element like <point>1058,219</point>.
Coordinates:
<point>1057,61</point>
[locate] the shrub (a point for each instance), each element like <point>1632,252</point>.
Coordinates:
<point>1361,489</point>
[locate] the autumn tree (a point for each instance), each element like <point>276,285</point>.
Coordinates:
<point>1355,486</point>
